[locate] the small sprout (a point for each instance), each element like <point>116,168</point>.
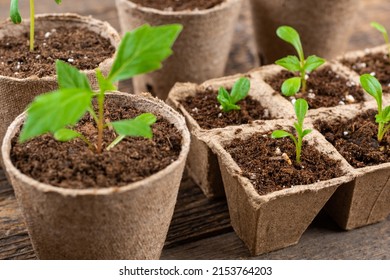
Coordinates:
<point>16,17</point>
<point>301,108</point>
<point>296,64</point>
<point>372,86</point>
<point>382,30</point>
<point>239,91</point>
<point>140,51</point>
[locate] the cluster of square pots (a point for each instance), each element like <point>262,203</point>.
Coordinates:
<point>278,219</point>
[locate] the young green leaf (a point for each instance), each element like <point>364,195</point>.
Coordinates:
<point>372,86</point>
<point>290,35</point>
<point>70,77</point>
<point>301,108</point>
<point>313,62</point>
<point>291,86</point>
<point>104,83</point>
<point>14,12</point>
<point>53,111</point>
<point>137,127</point>
<point>239,91</point>
<point>382,30</point>
<point>290,62</point>
<point>143,50</point>
<point>65,135</point>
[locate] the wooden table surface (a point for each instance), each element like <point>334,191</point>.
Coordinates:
<point>200,228</point>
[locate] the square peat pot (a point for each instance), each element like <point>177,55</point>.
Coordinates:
<point>375,61</point>
<point>331,85</point>
<point>366,200</point>
<point>202,164</point>
<point>276,219</point>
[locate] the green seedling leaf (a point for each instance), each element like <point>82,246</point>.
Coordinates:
<point>65,135</point>
<point>58,1</point>
<point>312,63</point>
<point>280,134</point>
<point>143,50</point>
<point>290,62</point>
<point>301,108</point>
<point>291,86</point>
<point>70,77</point>
<point>379,27</point>
<point>372,86</point>
<point>53,111</point>
<point>290,35</point>
<point>240,90</point>
<point>104,83</point>
<point>384,117</point>
<point>14,12</point>
<point>306,132</point>
<point>137,127</point>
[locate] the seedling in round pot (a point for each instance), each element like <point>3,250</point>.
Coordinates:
<point>16,17</point>
<point>372,86</point>
<point>382,30</point>
<point>301,108</point>
<point>296,64</point>
<point>140,51</point>
<point>239,91</point>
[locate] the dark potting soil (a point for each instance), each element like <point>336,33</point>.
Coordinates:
<point>378,63</point>
<point>325,88</point>
<point>179,5</point>
<point>356,139</point>
<point>73,165</point>
<point>79,47</point>
<point>260,159</point>
<point>205,109</point>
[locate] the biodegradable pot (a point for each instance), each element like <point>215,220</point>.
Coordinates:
<point>275,220</point>
<point>366,200</point>
<point>201,51</point>
<point>15,93</point>
<point>129,222</point>
<point>202,163</point>
<point>324,26</point>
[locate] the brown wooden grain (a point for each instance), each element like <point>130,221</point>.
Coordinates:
<point>201,228</point>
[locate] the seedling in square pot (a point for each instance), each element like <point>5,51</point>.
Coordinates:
<point>372,86</point>
<point>382,30</point>
<point>301,108</point>
<point>239,91</point>
<point>296,64</point>
<point>16,17</point>
<point>140,51</point>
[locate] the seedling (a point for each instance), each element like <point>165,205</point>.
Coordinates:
<point>372,86</point>
<point>239,91</point>
<point>382,30</point>
<point>16,18</point>
<point>140,51</point>
<point>301,108</point>
<point>294,64</point>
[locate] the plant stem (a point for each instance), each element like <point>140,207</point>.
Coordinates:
<point>32,25</point>
<point>115,142</point>
<point>100,124</point>
<point>299,149</point>
<point>381,131</point>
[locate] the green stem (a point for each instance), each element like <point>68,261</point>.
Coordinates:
<point>303,76</point>
<point>32,24</point>
<point>299,149</point>
<point>115,142</point>
<point>382,131</point>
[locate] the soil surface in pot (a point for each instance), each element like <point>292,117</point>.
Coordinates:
<point>79,47</point>
<point>261,161</point>
<point>325,88</point>
<point>205,109</point>
<point>356,139</point>
<point>179,5</point>
<point>378,63</point>
<point>73,165</point>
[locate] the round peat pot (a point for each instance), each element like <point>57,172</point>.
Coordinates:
<point>324,26</point>
<point>128,222</point>
<point>201,51</point>
<point>17,93</point>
